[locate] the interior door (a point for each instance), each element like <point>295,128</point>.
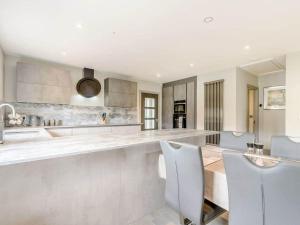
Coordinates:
<point>252,114</point>
<point>149,111</point>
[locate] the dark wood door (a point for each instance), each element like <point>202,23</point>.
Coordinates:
<point>149,111</point>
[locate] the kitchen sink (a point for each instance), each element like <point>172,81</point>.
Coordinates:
<point>25,135</point>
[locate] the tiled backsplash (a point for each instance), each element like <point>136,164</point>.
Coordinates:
<point>77,115</point>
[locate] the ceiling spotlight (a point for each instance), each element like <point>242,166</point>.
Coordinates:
<point>191,65</point>
<point>247,47</point>
<point>63,53</point>
<point>79,25</point>
<point>208,19</point>
<point>158,75</point>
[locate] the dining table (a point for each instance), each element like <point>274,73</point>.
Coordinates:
<point>216,189</point>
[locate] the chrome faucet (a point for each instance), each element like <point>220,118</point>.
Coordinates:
<point>2,119</point>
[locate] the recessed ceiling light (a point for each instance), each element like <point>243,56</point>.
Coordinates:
<point>158,75</point>
<point>247,47</point>
<point>79,25</point>
<point>191,65</point>
<point>208,19</point>
<point>63,53</point>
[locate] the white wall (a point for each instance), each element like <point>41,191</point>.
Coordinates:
<point>1,73</point>
<point>229,77</point>
<point>293,94</point>
<point>235,97</point>
<point>243,79</point>
<point>76,74</point>
<point>271,122</point>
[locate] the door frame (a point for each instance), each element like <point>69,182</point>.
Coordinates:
<point>256,109</point>
<point>144,94</point>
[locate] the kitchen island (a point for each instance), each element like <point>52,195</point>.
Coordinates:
<point>85,179</point>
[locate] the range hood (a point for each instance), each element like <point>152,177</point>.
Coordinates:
<point>88,86</point>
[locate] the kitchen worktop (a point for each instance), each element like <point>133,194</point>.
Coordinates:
<point>76,126</point>
<point>13,153</point>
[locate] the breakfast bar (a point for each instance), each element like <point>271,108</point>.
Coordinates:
<point>87,179</point>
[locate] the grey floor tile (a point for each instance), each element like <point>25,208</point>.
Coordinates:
<point>166,216</point>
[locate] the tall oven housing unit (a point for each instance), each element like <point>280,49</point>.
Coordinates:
<point>179,116</point>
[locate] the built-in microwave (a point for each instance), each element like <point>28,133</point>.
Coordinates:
<point>180,107</point>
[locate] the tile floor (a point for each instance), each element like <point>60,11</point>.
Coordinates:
<point>166,216</point>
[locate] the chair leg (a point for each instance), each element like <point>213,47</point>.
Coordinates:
<point>184,221</point>
<point>211,211</point>
<point>181,219</point>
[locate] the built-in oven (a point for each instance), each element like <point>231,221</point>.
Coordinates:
<point>180,107</point>
<point>179,121</point>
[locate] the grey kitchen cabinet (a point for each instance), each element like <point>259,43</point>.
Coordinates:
<point>190,105</point>
<point>185,89</point>
<point>167,107</point>
<point>180,92</point>
<point>120,93</point>
<point>43,84</point>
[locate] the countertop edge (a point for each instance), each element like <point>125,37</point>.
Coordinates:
<point>74,126</point>
<point>93,150</point>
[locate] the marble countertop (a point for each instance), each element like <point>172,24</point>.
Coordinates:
<point>76,126</point>
<point>13,153</point>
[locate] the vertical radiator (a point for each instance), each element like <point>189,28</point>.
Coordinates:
<point>213,109</point>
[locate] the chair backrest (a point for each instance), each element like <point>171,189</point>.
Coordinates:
<point>262,195</point>
<point>244,189</point>
<point>235,140</point>
<point>283,146</point>
<point>184,179</point>
<point>281,194</point>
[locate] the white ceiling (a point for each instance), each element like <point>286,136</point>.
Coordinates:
<point>266,66</point>
<point>151,36</point>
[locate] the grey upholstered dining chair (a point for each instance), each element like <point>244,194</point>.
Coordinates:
<point>281,185</point>
<point>185,183</point>
<point>244,189</point>
<point>262,195</point>
<point>235,140</point>
<point>283,146</point>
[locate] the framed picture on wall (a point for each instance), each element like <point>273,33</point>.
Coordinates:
<point>274,97</point>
